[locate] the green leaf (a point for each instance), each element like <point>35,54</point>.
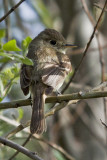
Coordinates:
<point>20,110</point>
<point>25,44</point>
<point>6,55</point>
<point>17,58</point>
<point>15,69</point>
<point>4,60</point>
<point>11,46</point>
<point>69,76</point>
<point>27,61</point>
<point>8,77</point>
<point>2,33</point>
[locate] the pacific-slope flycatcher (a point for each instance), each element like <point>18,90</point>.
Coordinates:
<point>51,66</point>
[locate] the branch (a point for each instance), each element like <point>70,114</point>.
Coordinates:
<point>40,138</point>
<point>16,153</point>
<point>105,125</point>
<point>87,46</point>
<point>101,87</point>
<point>20,127</point>
<point>99,5</point>
<point>11,10</point>
<point>19,148</point>
<point>54,99</point>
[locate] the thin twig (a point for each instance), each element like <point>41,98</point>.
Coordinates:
<point>16,153</point>
<point>11,10</point>
<point>87,46</point>
<point>98,5</point>
<point>19,148</point>
<point>105,125</point>
<point>100,87</point>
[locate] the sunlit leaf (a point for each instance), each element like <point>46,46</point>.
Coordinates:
<point>69,76</point>
<point>20,110</point>
<point>11,46</point>
<point>17,58</point>
<point>8,77</point>
<point>27,61</point>
<point>25,42</point>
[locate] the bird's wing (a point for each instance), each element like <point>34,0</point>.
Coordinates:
<point>53,75</point>
<point>25,78</point>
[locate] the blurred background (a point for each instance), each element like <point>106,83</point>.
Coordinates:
<point>76,128</point>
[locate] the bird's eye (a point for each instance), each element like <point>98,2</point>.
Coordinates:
<point>53,42</point>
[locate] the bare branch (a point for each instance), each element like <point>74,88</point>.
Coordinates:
<point>99,5</point>
<point>19,148</point>
<point>103,124</point>
<point>11,10</point>
<point>100,87</point>
<point>16,153</point>
<point>54,99</point>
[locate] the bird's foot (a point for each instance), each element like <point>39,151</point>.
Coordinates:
<point>57,93</point>
<point>30,100</point>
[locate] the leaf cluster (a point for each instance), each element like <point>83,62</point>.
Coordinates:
<point>11,55</point>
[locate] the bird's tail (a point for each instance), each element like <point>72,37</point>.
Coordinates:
<point>38,125</point>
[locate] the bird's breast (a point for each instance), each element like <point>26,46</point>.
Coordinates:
<point>47,56</point>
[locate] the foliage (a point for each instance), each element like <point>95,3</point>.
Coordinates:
<point>8,77</point>
<point>11,55</point>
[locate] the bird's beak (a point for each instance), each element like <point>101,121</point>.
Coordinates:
<point>70,46</point>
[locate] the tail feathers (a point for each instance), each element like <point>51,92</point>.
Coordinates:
<point>38,120</point>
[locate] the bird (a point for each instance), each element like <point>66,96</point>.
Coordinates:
<point>50,67</point>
